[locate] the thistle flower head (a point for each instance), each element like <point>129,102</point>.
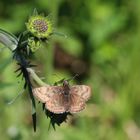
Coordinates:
<point>39,26</point>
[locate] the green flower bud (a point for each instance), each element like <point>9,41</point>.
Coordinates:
<point>34,44</point>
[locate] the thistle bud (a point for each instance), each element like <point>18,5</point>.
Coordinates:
<point>39,26</point>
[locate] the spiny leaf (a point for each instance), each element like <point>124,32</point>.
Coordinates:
<point>34,117</point>
<point>56,119</point>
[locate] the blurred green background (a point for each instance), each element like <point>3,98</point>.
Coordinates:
<point>102,46</point>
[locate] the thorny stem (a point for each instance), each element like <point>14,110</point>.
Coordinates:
<point>31,72</point>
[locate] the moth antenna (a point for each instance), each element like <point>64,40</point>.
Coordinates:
<point>72,78</point>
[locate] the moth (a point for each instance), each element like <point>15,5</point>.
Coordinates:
<point>65,98</point>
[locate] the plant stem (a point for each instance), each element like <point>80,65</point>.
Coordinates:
<point>36,78</point>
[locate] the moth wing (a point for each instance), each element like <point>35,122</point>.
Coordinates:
<point>44,93</point>
<point>81,90</point>
<point>76,103</point>
<point>56,103</point>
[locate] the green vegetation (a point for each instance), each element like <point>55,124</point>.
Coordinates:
<point>102,45</point>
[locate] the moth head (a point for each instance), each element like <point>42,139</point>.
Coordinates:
<point>65,83</point>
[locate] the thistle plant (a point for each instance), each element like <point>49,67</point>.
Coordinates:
<point>57,101</point>
<point>39,29</point>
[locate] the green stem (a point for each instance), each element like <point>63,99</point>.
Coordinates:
<point>36,78</point>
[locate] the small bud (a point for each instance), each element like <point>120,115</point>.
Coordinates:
<point>34,44</point>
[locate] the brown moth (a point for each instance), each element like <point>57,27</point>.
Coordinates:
<point>60,99</point>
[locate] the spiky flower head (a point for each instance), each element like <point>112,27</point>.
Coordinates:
<point>39,26</point>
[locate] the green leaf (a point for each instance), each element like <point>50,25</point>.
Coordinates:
<point>8,40</point>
